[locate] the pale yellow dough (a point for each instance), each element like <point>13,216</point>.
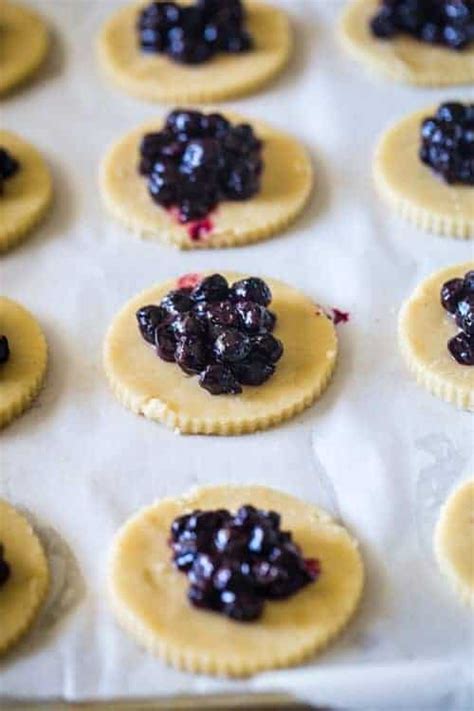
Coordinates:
<point>412,189</point>
<point>286,185</point>
<point>161,391</point>
<point>403,58</point>
<point>27,194</point>
<point>25,590</point>
<point>23,44</point>
<point>21,377</point>
<point>157,78</point>
<point>148,594</point>
<point>454,540</point>
<point>424,330</point>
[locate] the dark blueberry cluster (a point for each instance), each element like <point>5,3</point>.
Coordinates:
<point>192,34</point>
<point>8,167</point>
<point>236,562</point>
<point>218,331</point>
<point>446,22</point>
<point>4,350</point>
<point>198,160</point>
<point>447,142</point>
<point>457,297</point>
<point>4,567</point>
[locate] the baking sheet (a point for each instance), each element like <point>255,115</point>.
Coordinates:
<point>376,451</point>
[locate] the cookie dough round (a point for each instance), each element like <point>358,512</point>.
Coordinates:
<point>155,77</point>
<point>402,58</point>
<point>149,598</point>
<point>424,330</point>
<point>286,185</point>
<point>27,194</point>
<point>24,42</point>
<point>454,540</point>
<point>161,391</point>
<point>21,377</point>
<point>413,190</point>
<point>25,590</point>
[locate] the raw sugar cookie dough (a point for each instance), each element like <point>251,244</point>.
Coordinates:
<point>22,375</point>
<point>24,587</point>
<point>148,593</point>
<point>454,541</point>
<point>161,391</point>
<point>402,58</point>
<point>24,43</point>
<point>26,195</point>
<point>155,77</point>
<point>286,185</point>
<point>413,190</point>
<point>424,330</point>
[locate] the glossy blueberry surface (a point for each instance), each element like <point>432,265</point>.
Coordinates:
<point>447,143</point>
<point>457,298</point>
<point>198,160</point>
<point>208,331</point>
<point>4,567</point>
<point>8,167</point>
<point>236,562</point>
<point>194,34</point>
<point>446,22</point>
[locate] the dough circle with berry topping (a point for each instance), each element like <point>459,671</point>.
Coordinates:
<point>148,594</point>
<point>24,43</point>
<point>454,540</point>
<point>21,377</point>
<point>26,194</point>
<point>286,185</point>
<point>424,330</point>
<point>413,190</point>
<point>24,591</point>
<point>155,77</point>
<point>161,391</point>
<point>402,58</point>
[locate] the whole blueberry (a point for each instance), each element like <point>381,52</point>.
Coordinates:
<point>255,317</point>
<point>211,289</point>
<point>177,301</point>
<point>149,318</point>
<point>451,293</point>
<point>231,346</point>
<point>253,371</point>
<point>251,289</point>
<point>267,347</point>
<point>165,342</point>
<point>461,348</point>
<point>218,379</point>
<point>188,324</point>
<point>191,354</point>
<point>465,314</point>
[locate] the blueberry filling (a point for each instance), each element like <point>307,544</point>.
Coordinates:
<point>8,167</point>
<point>457,298</point>
<point>196,33</point>
<point>447,143</point>
<point>198,160</point>
<point>210,331</point>
<point>4,350</point>
<point>4,567</point>
<point>234,562</point>
<point>445,22</point>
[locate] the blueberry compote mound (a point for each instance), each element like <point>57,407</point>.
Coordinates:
<point>457,297</point>
<point>198,160</point>
<point>446,22</point>
<point>4,350</point>
<point>8,167</point>
<point>447,143</point>
<point>4,567</point>
<point>234,562</point>
<point>220,332</point>
<point>193,34</point>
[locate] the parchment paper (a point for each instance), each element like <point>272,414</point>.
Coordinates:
<point>377,451</point>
